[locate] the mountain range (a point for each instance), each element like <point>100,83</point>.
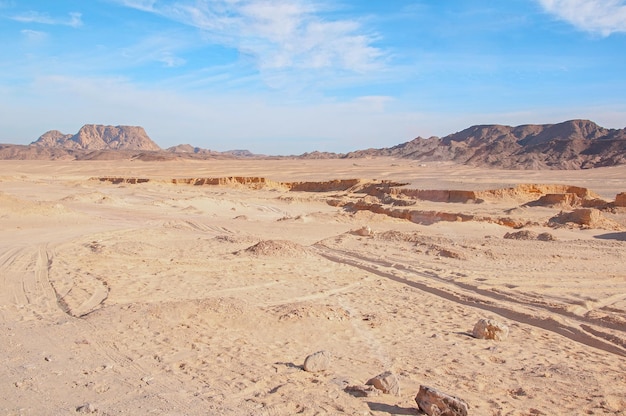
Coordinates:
<point>574,144</point>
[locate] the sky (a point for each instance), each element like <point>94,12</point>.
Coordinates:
<point>292,76</point>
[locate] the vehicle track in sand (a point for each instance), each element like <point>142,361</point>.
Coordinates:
<point>567,324</point>
<point>27,293</point>
<point>28,297</point>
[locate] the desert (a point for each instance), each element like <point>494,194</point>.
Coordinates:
<point>189,287</point>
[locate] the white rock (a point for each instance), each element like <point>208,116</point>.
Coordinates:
<point>318,361</point>
<point>386,382</point>
<point>490,329</point>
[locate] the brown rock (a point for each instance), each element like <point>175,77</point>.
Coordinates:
<point>435,403</point>
<point>521,235</point>
<point>319,361</point>
<point>98,137</point>
<point>490,329</point>
<point>546,237</point>
<point>620,200</point>
<point>386,382</point>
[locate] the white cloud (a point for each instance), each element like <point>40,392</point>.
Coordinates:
<point>34,35</point>
<point>277,34</point>
<point>74,19</point>
<point>602,17</point>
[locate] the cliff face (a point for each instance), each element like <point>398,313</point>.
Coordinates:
<point>98,137</point>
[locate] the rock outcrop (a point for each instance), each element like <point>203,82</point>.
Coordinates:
<point>99,137</point>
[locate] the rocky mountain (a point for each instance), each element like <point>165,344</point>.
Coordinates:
<point>98,137</point>
<point>574,144</point>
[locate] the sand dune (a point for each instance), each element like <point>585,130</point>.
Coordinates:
<point>199,287</point>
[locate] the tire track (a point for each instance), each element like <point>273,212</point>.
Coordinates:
<point>464,294</point>
<point>27,293</point>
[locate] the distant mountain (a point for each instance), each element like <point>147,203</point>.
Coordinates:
<point>574,144</point>
<point>98,137</point>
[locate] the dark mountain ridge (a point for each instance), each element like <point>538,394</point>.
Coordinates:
<point>573,144</point>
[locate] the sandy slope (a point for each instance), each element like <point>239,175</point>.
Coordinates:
<point>156,298</point>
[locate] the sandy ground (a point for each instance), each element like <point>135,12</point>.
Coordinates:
<point>179,299</point>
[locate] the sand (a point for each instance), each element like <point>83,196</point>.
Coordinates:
<point>155,292</point>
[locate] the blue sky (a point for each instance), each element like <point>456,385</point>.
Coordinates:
<point>290,76</point>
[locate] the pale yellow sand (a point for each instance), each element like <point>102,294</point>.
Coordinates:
<point>148,299</point>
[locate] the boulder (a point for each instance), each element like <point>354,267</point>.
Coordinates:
<point>386,382</point>
<point>435,403</point>
<point>319,361</point>
<point>490,329</point>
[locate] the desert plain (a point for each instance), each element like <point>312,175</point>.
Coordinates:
<point>200,287</point>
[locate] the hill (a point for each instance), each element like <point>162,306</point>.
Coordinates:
<point>574,144</point>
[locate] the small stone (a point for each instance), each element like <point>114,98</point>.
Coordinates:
<point>86,408</point>
<point>490,329</point>
<point>364,231</point>
<point>436,403</point>
<point>386,382</point>
<point>319,361</point>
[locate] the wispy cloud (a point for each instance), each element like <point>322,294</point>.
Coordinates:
<point>602,17</point>
<point>278,34</point>
<point>34,35</point>
<point>160,47</point>
<point>74,19</point>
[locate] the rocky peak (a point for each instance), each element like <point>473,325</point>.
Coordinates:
<point>99,137</point>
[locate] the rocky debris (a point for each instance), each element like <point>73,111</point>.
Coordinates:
<point>362,391</point>
<point>529,235</point>
<point>386,382</point>
<point>490,329</point>
<point>521,235</point>
<point>316,362</point>
<point>436,403</point>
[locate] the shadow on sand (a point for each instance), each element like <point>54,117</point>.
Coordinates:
<point>393,410</point>
<point>612,236</point>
